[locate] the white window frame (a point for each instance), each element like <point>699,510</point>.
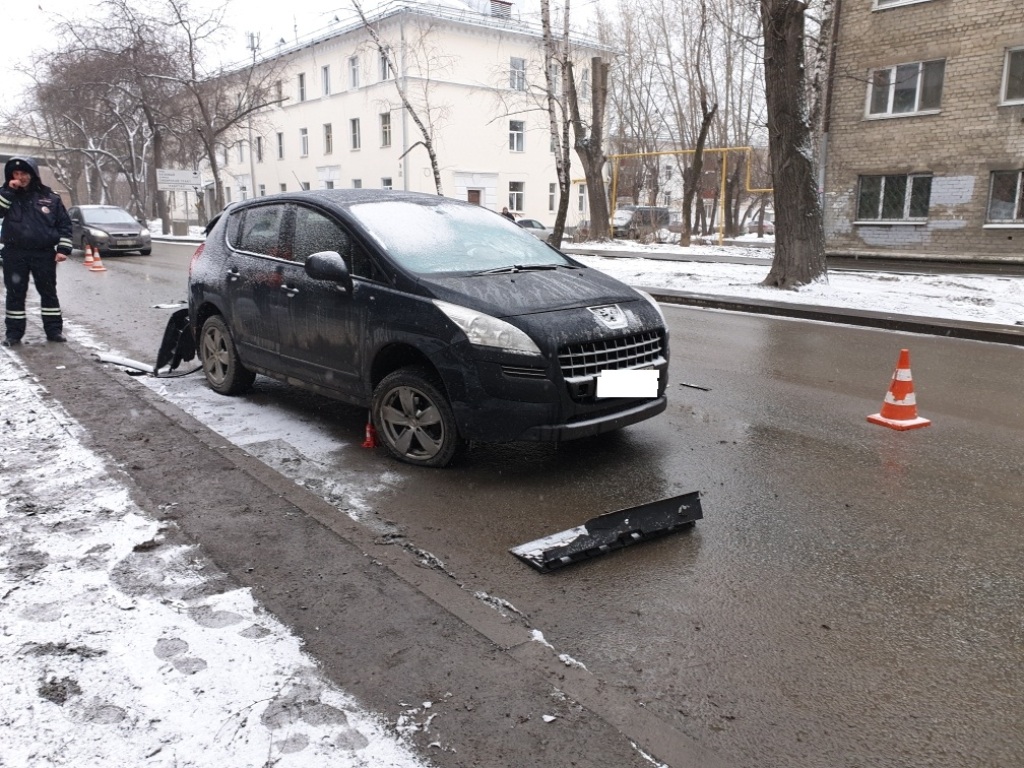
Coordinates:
<point>583,199</point>
<point>882,5</point>
<point>1012,54</point>
<point>355,134</point>
<point>516,196</point>
<point>357,183</point>
<point>552,190</point>
<point>328,138</point>
<point>325,79</point>
<point>912,179</point>
<point>387,183</point>
<point>353,72</point>
<point>259,149</point>
<point>302,86</point>
<point>385,64</point>
<point>262,190</point>
<point>517,136</point>
<point>517,73</point>
<point>895,75</point>
<point>280,145</point>
<point>1018,204</point>
<point>385,129</point>
<point>303,142</point>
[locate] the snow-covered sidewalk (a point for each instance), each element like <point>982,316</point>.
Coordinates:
<point>122,646</point>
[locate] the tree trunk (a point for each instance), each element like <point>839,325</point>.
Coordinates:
<point>590,147</point>
<point>799,235</point>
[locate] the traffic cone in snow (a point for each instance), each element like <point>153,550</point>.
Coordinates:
<point>88,254</point>
<point>370,441</point>
<point>899,410</point>
<point>97,263</point>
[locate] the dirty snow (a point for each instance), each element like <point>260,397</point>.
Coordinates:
<point>120,645</point>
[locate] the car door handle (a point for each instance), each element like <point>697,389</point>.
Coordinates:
<point>289,290</point>
<point>233,274</point>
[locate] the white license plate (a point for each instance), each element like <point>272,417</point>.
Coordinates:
<point>126,242</point>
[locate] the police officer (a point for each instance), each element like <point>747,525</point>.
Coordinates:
<point>36,235</point>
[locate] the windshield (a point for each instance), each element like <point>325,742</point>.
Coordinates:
<point>108,216</point>
<point>449,237</point>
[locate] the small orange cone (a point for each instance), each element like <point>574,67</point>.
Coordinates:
<point>899,410</point>
<point>88,254</point>
<point>370,441</point>
<point>97,263</point>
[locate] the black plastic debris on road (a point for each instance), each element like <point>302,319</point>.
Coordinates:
<point>611,531</point>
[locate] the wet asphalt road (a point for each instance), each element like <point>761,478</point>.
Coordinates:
<point>853,595</point>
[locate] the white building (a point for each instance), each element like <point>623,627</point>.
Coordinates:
<point>475,77</point>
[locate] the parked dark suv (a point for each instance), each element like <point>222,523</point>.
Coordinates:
<point>637,221</point>
<point>446,320</point>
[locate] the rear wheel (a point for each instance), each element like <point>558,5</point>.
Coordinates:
<point>414,419</point>
<point>223,369</point>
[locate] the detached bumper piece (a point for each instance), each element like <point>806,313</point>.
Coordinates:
<point>611,531</point>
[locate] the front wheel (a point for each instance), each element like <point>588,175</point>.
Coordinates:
<point>146,251</point>
<point>221,365</point>
<point>414,419</point>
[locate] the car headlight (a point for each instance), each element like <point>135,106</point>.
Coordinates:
<point>654,303</point>
<point>144,232</point>
<point>486,331</point>
<point>99,234</point>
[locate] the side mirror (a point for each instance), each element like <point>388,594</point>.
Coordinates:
<point>328,265</point>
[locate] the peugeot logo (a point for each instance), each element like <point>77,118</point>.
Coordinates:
<point>611,316</point>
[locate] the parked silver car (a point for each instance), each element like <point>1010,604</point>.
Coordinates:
<point>535,228</point>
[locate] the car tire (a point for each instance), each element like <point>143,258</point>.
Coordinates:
<point>414,419</point>
<point>221,365</point>
<point>146,251</point>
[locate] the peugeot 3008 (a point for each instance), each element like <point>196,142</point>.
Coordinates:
<point>447,321</point>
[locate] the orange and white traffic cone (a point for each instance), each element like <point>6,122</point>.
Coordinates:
<point>899,410</point>
<point>88,254</point>
<point>97,263</point>
<point>370,441</point>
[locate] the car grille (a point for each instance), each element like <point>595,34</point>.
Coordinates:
<point>580,362</point>
<point>524,372</point>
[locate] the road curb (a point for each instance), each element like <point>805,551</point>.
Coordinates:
<point>957,329</point>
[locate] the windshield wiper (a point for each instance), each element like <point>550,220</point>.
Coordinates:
<point>513,268</point>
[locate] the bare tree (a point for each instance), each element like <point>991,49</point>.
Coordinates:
<point>422,114</point>
<point>799,235</point>
<point>589,143</point>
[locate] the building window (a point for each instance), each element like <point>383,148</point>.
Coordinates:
<point>284,187</point>
<point>304,185</point>
<point>329,184</point>
<point>517,74</point>
<point>516,135</point>
<point>325,79</point>
<point>906,88</point>
<point>353,72</point>
<point>516,194</point>
<point>894,198</point>
<point>551,196</point>
<point>553,74</point>
<point>584,89</point>
<point>1006,197</point>
<point>280,146</point>
<point>241,152</point>
<point>302,86</point>
<point>888,3</point>
<point>227,194</point>
<point>263,190</point>
<point>583,198</point>
<point>385,129</point>
<point>357,183</point>
<point>279,91</point>
<point>259,149</point>
<point>356,140</point>
<point>243,193</point>
<point>385,64</point>
<point>303,142</point>
<point>1013,76</point>
<point>328,139</point>
<point>385,183</point>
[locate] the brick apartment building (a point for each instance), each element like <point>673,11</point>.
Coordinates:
<point>924,155</point>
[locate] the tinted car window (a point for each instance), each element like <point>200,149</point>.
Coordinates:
<point>260,231</point>
<point>451,238</point>
<point>316,232</point>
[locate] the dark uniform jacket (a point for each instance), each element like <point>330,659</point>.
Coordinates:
<point>34,218</point>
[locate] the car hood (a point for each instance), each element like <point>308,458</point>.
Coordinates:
<point>526,293</point>
<point>127,228</point>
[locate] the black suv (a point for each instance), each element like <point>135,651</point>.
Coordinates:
<point>449,322</point>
